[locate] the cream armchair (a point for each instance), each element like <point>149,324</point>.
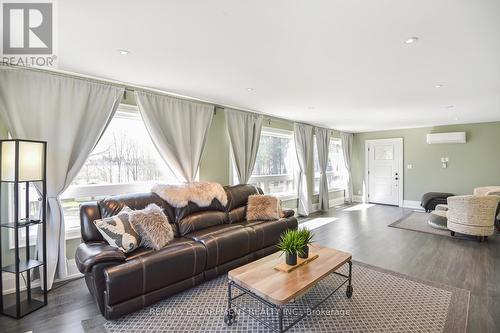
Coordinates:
<point>490,190</point>
<point>487,190</point>
<point>472,215</point>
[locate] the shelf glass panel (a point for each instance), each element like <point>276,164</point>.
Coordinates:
<point>23,266</point>
<point>21,224</point>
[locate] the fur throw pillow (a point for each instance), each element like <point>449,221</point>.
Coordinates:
<point>153,227</point>
<point>118,231</point>
<point>263,207</point>
<point>201,193</point>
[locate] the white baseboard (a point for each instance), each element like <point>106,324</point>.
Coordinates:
<point>9,281</point>
<point>412,204</point>
<point>406,203</point>
<point>332,203</point>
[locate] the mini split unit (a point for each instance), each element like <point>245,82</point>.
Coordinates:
<point>454,137</point>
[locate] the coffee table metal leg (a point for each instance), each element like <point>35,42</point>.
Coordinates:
<point>230,315</point>
<point>280,319</point>
<point>349,284</point>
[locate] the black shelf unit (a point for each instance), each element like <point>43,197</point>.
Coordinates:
<point>25,301</point>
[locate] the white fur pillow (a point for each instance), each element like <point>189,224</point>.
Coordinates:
<point>263,207</point>
<point>153,227</point>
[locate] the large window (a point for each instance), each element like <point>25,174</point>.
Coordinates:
<point>125,160</point>
<point>335,171</point>
<point>276,163</point>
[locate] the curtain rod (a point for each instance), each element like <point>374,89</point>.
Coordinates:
<point>133,88</point>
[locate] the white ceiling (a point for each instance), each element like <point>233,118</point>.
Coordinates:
<point>339,64</point>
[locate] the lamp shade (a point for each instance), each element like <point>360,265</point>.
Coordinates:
<point>31,160</point>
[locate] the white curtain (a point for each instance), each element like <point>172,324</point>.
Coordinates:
<point>178,128</point>
<point>244,130</point>
<point>346,139</point>
<point>323,145</point>
<point>70,114</point>
<point>303,138</point>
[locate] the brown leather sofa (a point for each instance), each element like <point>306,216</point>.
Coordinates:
<point>209,242</point>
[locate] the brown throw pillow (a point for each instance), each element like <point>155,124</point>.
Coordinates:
<point>153,227</point>
<point>263,207</point>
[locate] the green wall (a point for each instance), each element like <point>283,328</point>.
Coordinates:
<point>475,163</point>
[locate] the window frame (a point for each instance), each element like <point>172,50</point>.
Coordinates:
<point>281,133</point>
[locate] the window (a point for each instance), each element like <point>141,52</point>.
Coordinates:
<point>125,160</point>
<point>335,171</point>
<point>276,163</point>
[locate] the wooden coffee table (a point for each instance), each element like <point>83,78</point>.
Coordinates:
<point>275,289</point>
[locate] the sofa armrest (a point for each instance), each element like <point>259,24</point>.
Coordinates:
<point>89,254</point>
<point>288,213</point>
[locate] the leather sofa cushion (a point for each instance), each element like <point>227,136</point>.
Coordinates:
<point>225,242</point>
<point>148,271</point>
<point>89,212</point>
<point>268,232</point>
<point>111,206</point>
<point>199,221</point>
<point>288,213</point>
<point>237,196</point>
<point>192,208</point>
<point>237,214</point>
<point>89,254</point>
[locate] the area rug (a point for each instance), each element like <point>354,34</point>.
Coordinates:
<point>417,221</point>
<point>383,301</point>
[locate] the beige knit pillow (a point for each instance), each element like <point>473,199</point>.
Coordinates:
<point>153,227</point>
<point>263,207</point>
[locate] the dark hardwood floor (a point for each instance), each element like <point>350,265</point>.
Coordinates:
<point>362,231</point>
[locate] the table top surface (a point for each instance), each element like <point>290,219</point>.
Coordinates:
<point>278,287</point>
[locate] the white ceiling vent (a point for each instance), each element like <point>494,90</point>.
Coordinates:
<point>453,137</point>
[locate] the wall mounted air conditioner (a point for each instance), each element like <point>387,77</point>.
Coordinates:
<point>453,137</point>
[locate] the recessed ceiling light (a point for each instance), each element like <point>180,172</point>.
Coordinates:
<point>411,40</point>
<point>123,52</point>
<point>249,89</point>
<point>438,86</point>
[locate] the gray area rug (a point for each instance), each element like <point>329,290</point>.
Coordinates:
<point>417,221</point>
<point>383,301</point>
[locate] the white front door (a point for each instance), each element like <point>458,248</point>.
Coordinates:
<point>385,171</point>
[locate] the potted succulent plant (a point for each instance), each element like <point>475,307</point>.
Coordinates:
<point>290,244</point>
<point>306,237</point>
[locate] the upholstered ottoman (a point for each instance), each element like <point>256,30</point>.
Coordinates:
<point>438,219</point>
<point>431,199</point>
